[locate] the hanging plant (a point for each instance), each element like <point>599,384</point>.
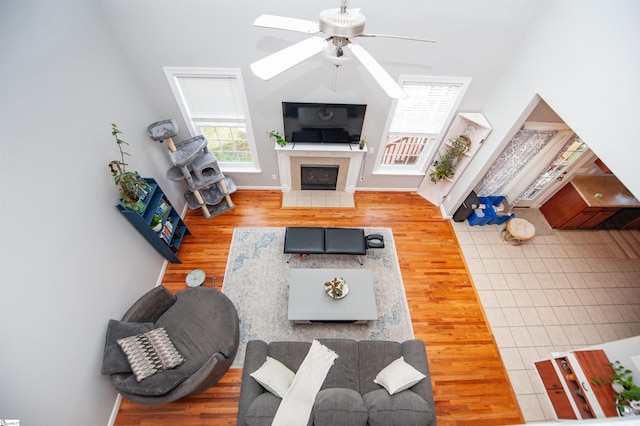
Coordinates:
<point>132,187</point>
<point>446,163</point>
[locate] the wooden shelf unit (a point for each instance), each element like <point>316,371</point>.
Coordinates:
<point>472,125</point>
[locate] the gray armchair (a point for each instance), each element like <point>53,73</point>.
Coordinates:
<point>203,325</point>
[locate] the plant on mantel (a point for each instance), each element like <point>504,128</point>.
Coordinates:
<point>132,187</point>
<point>446,163</point>
<point>280,140</point>
<point>362,142</point>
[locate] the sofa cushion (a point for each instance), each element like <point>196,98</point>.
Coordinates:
<point>159,384</point>
<point>339,407</point>
<point>114,359</point>
<point>403,409</point>
<point>344,373</point>
<point>398,376</point>
<point>374,355</point>
<point>274,377</point>
<point>201,323</point>
<point>262,410</point>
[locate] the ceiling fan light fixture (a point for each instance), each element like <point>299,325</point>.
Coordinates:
<point>337,55</point>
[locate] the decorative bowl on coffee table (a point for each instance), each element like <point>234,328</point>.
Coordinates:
<point>336,288</point>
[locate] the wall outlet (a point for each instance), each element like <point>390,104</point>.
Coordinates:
<point>372,149</point>
<point>274,177</point>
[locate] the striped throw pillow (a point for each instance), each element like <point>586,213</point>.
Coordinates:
<point>150,352</point>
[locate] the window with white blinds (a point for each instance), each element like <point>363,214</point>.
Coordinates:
<point>213,104</point>
<point>416,122</point>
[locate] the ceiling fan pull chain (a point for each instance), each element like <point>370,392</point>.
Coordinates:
<point>335,78</point>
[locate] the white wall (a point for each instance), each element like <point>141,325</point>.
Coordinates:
<point>582,58</point>
<point>68,260</point>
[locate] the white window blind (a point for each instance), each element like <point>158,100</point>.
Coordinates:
<point>426,108</point>
<point>212,97</point>
<point>213,103</point>
<point>417,121</point>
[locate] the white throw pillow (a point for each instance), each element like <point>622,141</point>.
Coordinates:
<point>398,376</point>
<point>274,376</point>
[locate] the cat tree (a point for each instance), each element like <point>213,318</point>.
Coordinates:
<point>209,189</point>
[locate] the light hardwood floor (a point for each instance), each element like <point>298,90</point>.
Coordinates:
<point>470,383</point>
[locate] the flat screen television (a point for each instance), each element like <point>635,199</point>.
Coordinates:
<point>322,122</point>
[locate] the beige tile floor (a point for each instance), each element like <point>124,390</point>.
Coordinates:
<point>317,199</point>
<point>554,293</point>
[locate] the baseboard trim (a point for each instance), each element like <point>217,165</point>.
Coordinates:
<point>114,412</point>
<point>359,188</point>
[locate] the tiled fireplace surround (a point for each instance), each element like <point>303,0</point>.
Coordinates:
<point>292,156</point>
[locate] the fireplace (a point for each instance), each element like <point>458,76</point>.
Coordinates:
<point>319,176</point>
<point>348,160</point>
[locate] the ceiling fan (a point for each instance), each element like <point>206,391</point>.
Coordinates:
<point>339,25</point>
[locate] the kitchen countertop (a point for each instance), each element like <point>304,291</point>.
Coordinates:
<point>614,193</point>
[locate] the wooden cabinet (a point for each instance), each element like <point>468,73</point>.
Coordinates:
<point>555,391</point>
<point>472,125</point>
<point>567,380</point>
<point>166,241</point>
<point>586,202</point>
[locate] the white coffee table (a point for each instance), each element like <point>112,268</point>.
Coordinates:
<point>308,301</point>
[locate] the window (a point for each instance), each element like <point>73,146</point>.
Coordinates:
<point>213,104</point>
<point>416,122</point>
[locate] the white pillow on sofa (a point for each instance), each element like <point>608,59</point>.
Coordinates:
<point>274,376</point>
<point>398,376</point>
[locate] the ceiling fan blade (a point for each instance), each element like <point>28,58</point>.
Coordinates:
<point>399,37</point>
<point>284,23</point>
<point>379,74</point>
<point>281,61</point>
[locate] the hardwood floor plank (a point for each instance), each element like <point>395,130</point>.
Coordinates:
<point>470,382</point>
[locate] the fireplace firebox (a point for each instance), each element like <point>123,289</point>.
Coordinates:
<point>318,177</point>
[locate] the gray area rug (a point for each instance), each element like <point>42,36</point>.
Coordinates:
<point>257,281</point>
<point>536,218</point>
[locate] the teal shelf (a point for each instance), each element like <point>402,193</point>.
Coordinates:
<point>141,222</point>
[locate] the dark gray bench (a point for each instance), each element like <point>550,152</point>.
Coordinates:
<point>316,240</point>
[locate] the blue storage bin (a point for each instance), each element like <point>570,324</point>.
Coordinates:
<point>490,216</point>
<point>487,214</point>
<point>497,217</point>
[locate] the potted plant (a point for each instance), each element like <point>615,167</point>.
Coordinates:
<point>362,142</point>
<point>445,165</point>
<point>132,187</point>
<point>628,393</point>
<point>278,137</point>
<point>156,223</point>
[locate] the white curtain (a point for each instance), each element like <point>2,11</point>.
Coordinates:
<point>522,148</point>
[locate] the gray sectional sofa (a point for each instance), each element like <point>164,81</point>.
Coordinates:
<point>348,395</point>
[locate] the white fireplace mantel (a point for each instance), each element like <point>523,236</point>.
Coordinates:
<point>327,151</point>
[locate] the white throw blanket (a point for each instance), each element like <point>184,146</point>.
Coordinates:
<point>295,408</point>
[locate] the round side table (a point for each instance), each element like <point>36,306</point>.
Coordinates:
<point>518,231</point>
